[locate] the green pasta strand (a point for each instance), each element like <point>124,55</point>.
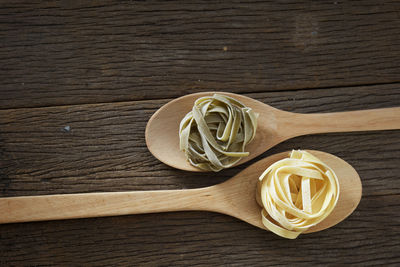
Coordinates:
<point>214,134</point>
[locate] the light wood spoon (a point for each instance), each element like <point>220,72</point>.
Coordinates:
<point>274,126</point>
<point>235,197</point>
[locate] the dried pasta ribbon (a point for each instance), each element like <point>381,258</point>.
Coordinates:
<point>296,193</point>
<point>214,134</point>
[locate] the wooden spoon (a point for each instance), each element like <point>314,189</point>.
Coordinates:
<point>235,197</point>
<point>274,126</point>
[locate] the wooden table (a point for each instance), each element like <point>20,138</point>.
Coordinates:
<point>79,81</point>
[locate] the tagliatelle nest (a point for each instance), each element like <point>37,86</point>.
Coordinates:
<point>214,134</point>
<point>296,193</point>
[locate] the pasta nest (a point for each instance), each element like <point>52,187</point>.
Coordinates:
<point>296,193</point>
<point>214,134</point>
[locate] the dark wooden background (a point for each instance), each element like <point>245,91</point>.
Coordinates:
<point>79,81</point>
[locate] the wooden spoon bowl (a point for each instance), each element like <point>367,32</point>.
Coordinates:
<point>274,126</point>
<point>248,210</point>
<point>235,197</point>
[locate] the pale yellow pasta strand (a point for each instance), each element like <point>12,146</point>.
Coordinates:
<point>296,193</point>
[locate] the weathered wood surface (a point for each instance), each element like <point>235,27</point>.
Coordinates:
<point>78,84</point>
<point>72,52</point>
<point>104,150</point>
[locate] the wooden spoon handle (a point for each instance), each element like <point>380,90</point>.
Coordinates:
<point>350,121</point>
<point>70,206</point>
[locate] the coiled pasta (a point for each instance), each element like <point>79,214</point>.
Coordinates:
<point>296,193</point>
<point>214,134</point>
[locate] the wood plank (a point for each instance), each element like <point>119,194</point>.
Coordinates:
<point>198,238</point>
<point>101,147</point>
<point>76,53</point>
<point>104,150</point>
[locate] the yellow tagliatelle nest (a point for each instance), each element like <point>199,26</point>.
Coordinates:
<point>296,193</point>
<point>214,134</point>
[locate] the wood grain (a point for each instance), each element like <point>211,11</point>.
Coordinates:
<point>79,80</point>
<point>60,53</point>
<point>104,150</point>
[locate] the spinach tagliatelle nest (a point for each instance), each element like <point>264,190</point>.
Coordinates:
<point>214,134</point>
